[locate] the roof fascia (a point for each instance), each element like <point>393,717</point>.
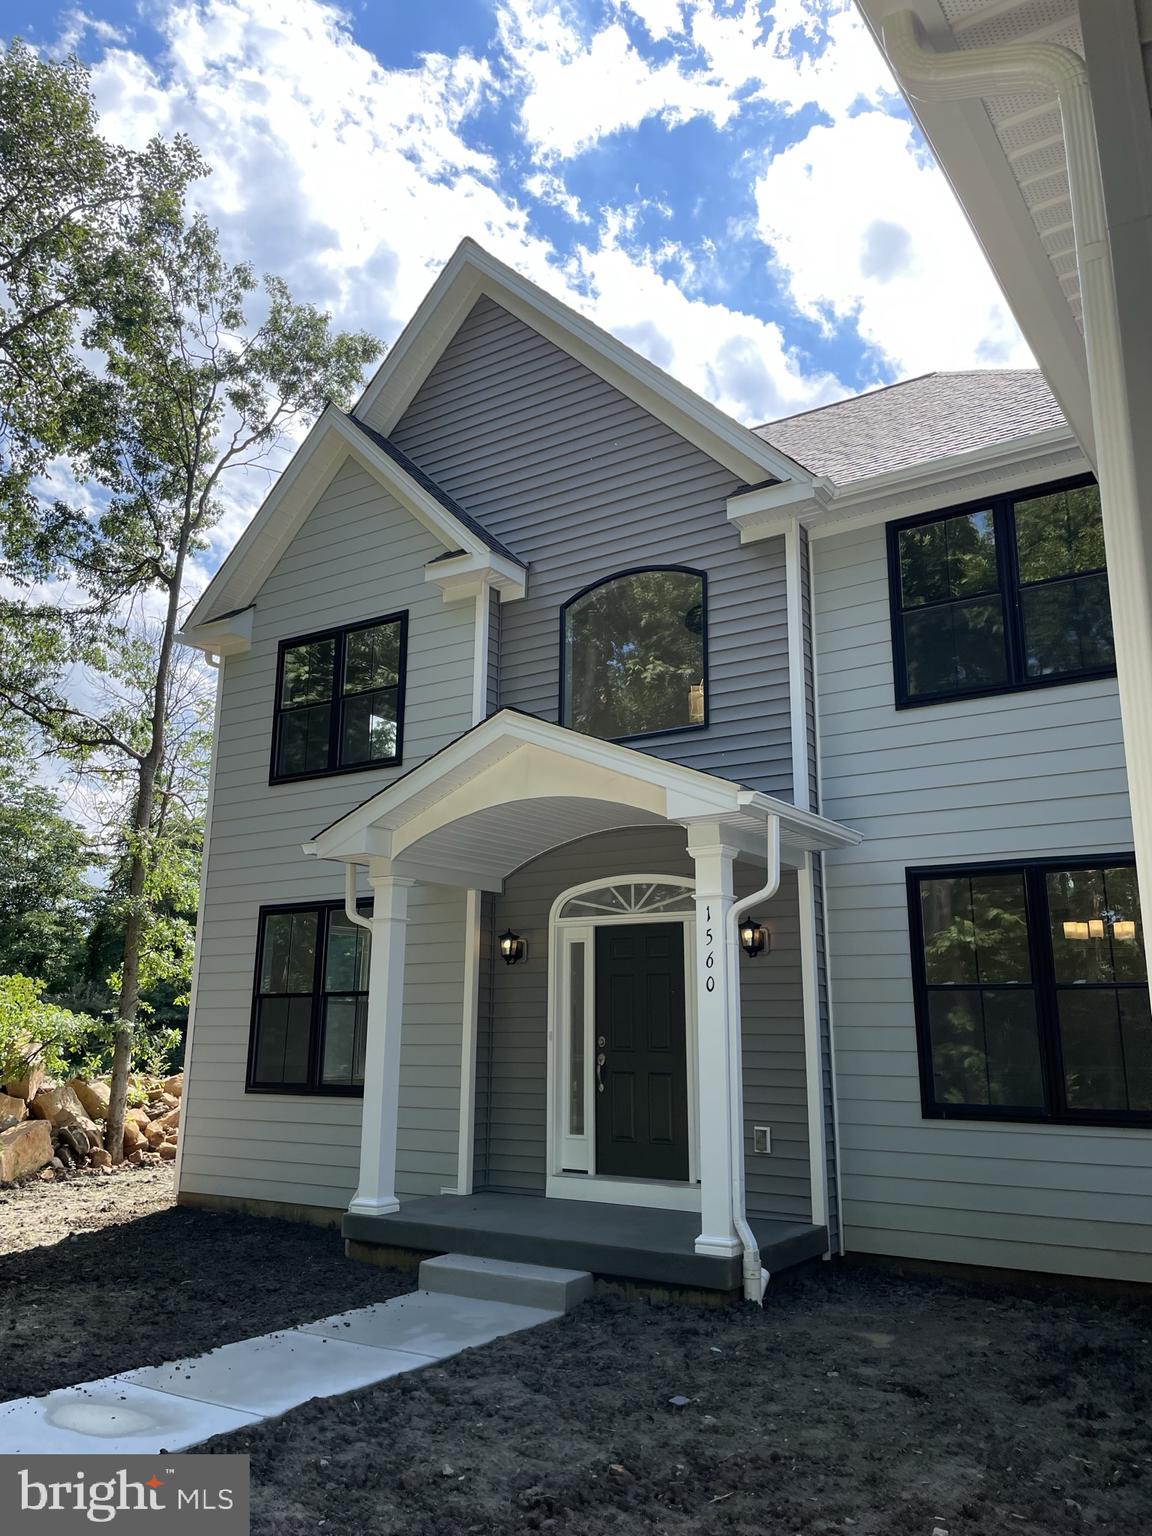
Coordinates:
<point>968,151</point>
<point>466,576</point>
<point>227,636</point>
<point>331,441</point>
<point>471,272</point>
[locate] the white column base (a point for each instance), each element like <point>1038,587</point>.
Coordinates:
<point>366,1207</point>
<point>718,1247</point>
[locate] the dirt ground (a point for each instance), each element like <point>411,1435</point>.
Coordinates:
<point>856,1402</point>
<point>103,1274</point>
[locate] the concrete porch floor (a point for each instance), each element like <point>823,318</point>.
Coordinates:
<point>618,1242</point>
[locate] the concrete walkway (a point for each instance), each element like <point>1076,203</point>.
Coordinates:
<point>172,1407</point>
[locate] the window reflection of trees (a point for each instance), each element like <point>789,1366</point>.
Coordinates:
<point>634,655</point>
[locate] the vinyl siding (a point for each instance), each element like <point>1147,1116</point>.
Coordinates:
<point>1038,773</point>
<point>580,482</point>
<point>358,555</point>
<point>512,1056</point>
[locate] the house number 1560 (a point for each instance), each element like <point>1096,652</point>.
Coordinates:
<point>710,953</point>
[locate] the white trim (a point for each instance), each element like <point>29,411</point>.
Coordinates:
<point>466,1122</point>
<point>333,439</point>
<point>565,1179</point>
<point>967,149</point>
<point>797,672</point>
<point>462,576</point>
<point>472,272</point>
<point>198,948</point>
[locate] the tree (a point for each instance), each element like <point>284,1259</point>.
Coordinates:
<point>205,369</point>
<point>46,896</point>
<point>69,203</point>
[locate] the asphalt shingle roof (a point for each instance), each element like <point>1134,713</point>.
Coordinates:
<point>426,482</point>
<point>914,422</point>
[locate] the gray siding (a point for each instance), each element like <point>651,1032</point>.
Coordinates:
<point>580,482</point>
<point>1027,774</point>
<point>357,556</point>
<point>512,1058</point>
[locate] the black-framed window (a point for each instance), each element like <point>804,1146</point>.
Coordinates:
<point>310,1003</point>
<point>634,654</point>
<point>340,700</point>
<point>1000,595</point>
<point>1031,991</point>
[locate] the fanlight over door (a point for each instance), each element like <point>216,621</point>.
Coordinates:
<point>642,898</point>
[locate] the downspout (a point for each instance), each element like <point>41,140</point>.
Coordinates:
<point>350,911</point>
<point>929,75</point>
<point>756,1277</point>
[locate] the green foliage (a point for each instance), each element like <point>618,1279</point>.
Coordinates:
<point>45,896</point>
<point>635,655</point>
<point>35,1032</point>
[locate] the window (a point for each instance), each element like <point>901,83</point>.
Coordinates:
<point>1031,991</point>
<point>340,700</point>
<point>1011,594</point>
<point>634,655</point>
<point>310,1013</point>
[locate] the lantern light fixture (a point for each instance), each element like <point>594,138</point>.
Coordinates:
<point>512,947</point>
<point>753,937</point>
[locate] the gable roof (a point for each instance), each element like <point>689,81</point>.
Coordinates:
<point>934,416</point>
<point>334,437</point>
<point>449,503</point>
<point>472,272</point>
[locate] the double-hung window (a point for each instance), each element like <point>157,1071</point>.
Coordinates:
<point>1031,991</point>
<point>310,1010</point>
<point>1008,594</point>
<point>340,700</point>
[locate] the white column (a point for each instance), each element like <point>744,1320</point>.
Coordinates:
<point>718,1034</point>
<point>466,1143</point>
<point>376,1192</point>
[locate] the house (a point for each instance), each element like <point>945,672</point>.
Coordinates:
<point>679,850</point>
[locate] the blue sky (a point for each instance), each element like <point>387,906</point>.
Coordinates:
<point>731,186</point>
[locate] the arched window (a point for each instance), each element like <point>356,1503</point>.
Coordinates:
<point>635,654</point>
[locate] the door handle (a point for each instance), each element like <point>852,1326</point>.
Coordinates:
<point>600,1060</point>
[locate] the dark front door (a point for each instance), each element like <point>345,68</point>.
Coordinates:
<point>642,1105</point>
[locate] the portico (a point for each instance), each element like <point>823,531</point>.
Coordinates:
<point>506,793</point>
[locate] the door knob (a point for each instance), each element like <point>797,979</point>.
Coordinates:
<point>600,1060</point>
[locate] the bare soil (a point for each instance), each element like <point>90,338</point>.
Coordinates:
<point>104,1274</point>
<point>856,1402</point>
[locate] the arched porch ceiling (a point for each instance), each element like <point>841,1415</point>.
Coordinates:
<point>514,786</point>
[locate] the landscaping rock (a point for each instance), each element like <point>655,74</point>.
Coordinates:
<point>138,1116</point>
<point>154,1133</point>
<point>12,1111</point>
<point>98,1158</point>
<point>170,1121</point>
<point>133,1137</point>
<point>60,1106</point>
<point>23,1149</point>
<point>174,1085</point>
<point>94,1096</point>
<point>135,1157</point>
<point>27,1087</point>
<point>167,1150</point>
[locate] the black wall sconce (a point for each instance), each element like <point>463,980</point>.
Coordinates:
<point>753,937</point>
<point>512,947</point>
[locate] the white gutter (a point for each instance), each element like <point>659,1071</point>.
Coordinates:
<point>962,75</point>
<point>756,1277</point>
<point>350,911</point>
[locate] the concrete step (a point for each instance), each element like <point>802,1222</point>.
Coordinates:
<point>527,1285</point>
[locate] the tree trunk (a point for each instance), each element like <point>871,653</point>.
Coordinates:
<point>129,1004</point>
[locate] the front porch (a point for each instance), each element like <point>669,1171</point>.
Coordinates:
<point>615,1242</point>
<point>585,1106</point>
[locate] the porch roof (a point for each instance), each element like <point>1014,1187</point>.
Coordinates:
<point>514,786</point>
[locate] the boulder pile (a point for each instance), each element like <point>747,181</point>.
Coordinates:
<point>53,1128</point>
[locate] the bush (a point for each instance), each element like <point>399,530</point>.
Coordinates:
<point>34,1033</point>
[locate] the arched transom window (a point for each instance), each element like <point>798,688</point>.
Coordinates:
<point>635,654</point>
<point>635,898</point>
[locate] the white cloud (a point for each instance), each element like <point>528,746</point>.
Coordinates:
<point>866,230</point>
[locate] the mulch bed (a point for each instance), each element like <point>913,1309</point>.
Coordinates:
<point>99,1275</point>
<point>856,1402</point>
